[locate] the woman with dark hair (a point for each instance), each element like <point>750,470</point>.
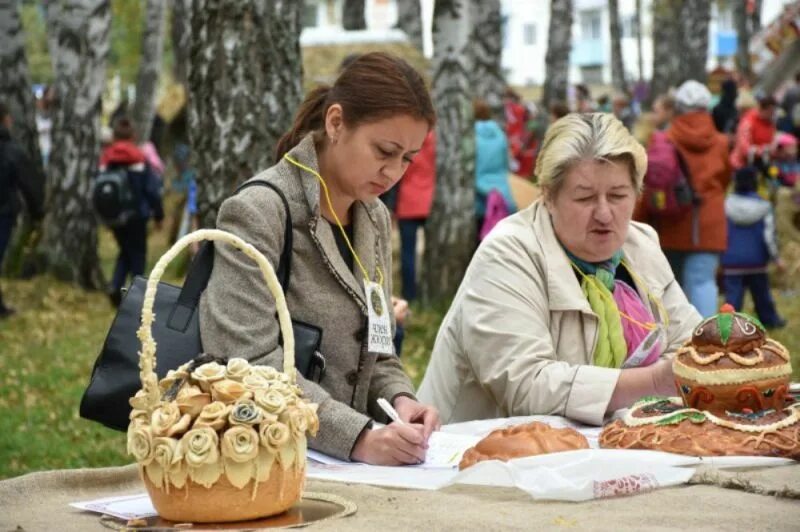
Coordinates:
<point>349,143</point>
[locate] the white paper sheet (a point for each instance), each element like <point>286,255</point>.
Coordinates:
<point>321,458</point>
<point>570,476</point>
<point>445,449</point>
<point>125,507</point>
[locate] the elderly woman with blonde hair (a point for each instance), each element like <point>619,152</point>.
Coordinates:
<point>568,307</point>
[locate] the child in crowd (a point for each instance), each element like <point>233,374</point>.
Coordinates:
<point>785,159</point>
<point>752,244</point>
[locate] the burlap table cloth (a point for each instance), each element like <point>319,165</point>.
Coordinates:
<point>765,499</point>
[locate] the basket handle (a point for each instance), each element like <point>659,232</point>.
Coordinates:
<point>147,356</point>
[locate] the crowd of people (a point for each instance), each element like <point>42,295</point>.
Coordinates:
<point>570,306</point>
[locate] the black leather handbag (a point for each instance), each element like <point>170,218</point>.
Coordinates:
<point>176,330</point>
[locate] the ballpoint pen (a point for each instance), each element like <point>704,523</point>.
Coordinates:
<point>390,411</point>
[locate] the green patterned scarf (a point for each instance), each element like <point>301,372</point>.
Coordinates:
<point>598,284</point>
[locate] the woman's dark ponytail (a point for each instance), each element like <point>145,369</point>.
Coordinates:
<point>310,117</point>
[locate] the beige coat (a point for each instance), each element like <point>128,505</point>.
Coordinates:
<point>237,314</point>
<point>519,336</point>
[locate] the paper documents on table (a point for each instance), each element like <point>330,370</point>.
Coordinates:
<point>444,451</point>
<point>135,506</point>
<point>568,476</point>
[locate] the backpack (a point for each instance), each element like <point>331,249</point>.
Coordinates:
<point>668,192</point>
<point>496,210</point>
<point>113,198</point>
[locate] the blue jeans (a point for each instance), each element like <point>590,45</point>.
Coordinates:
<point>758,284</point>
<point>408,255</point>
<point>697,274</point>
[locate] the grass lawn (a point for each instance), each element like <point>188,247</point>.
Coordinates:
<point>48,348</point>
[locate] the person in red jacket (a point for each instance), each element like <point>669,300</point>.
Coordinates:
<point>755,133</point>
<point>132,235</point>
<point>693,244</point>
<point>414,200</point>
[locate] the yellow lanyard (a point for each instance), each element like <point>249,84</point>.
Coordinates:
<point>637,279</point>
<point>338,223</point>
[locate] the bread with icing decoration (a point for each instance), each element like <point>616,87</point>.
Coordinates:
<point>729,365</point>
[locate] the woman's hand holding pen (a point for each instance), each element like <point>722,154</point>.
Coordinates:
<point>411,411</point>
<point>394,444</point>
<point>402,442</point>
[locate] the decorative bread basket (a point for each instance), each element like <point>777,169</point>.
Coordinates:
<point>220,442</point>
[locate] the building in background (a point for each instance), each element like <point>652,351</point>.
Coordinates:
<point>525,28</point>
<point>322,23</point>
<point>527,22</point>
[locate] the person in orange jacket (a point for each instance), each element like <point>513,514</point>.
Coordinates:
<point>693,244</point>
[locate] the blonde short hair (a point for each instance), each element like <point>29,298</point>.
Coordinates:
<point>586,136</point>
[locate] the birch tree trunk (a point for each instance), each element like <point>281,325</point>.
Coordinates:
<point>617,64</point>
<point>741,21</point>
<point>52,10</point>
<point>559,44</point>
<point>15,91</point>
<point>409,19</point>
<point>353,15</point>
<point>693,51</point>
<point>755,17</point>
<point>245,84</point>
<point>70,240</point>
<point>181,35</point>
<point>638,30</point>
<point>486,46</point>
<point>144,108</point>
<point>667,37</point>
<point>450,231</point>
<point>15,85</point>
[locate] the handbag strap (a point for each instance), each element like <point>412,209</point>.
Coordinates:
<point>202,264</point>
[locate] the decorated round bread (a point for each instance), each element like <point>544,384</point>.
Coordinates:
<point>523,440</point>
<point>729,365</point>
<point>666,424</point>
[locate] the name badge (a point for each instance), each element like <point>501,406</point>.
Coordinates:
<point>378,320</point>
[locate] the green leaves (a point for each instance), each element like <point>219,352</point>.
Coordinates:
<point>693,416</point>
<point>725,326</point>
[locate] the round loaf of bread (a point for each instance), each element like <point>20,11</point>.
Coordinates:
<point>730,365</point>
<point>523,440</point>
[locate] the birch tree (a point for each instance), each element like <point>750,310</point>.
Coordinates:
<point>15,85</point>
<point>559,44</point>
<point>144,108</point>
<point>245,84</point>
<point>409,19</point>
<point>181,34</point>
<point>617,64</point>
<point>15,91</point>
<point>70,240</point>
<point>666,40</point>
<point>638,30</point>
<point>450,231</point>
<point>353,15</point>
<point>486,47</point>
<point>693,53</point>
<point>680,43</point>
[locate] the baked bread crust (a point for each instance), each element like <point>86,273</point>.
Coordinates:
<point>523,440</point>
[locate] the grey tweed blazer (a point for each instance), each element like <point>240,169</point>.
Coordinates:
<point>237,313</point>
